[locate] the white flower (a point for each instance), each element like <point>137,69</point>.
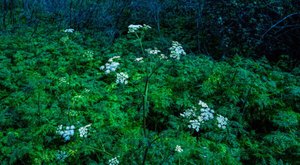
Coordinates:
<point>112,59</point>
<point>69,30</point>
<point>176,50</point>
<point>135,28</point>
<point>113,161</point>
<point>122,78</point>
<point>207,113</point>
<point>83,131</point>
<point>67,133</point>
<point>203,104</point>
<point>154,51</point>
<point>110,67</point>
<point>139,59</point>
<point>195,124</point>
<point>222,121</point>
<point>178,148</point>
<point>189,113</point>
<point>162,56</point>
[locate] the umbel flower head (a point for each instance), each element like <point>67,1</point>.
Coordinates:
<point>136,28</point>
<point>178,148</point>
<point>113,161</point>
<point>222,121</point>
<point>111,65</point>
<point>69,30</point>
<point>66,133</point>
<point>122,78</point>
<point>83,131</point>
<point>176,50</point>
<point>198,117</point>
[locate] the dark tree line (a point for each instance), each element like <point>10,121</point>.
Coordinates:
<point>217,28</point>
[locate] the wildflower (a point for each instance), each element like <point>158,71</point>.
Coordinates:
<point>207,113</point>
<point>110,67</point>
<point>122,78</point>
<point>222,121</point>
<point>69,30</point>
<point>154,51</point>
<point>135,28</point>
<point>195,124</point>
<point>112,59</point>
<point>202,104</point>
<point>113,161</point>
<point>189,113</point>
<point>162,56</point>
<point>83,131</point>
<point>176,50</point>
<point>178,148</point>
<point>67,133</point>
<point>139,59</point>
<point>61,155</point>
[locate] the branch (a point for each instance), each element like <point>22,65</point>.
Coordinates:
<point>273,26</point>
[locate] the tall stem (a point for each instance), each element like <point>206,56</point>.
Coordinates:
<point>145,105</point>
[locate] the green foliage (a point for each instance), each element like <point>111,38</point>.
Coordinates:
<point>52,80</point>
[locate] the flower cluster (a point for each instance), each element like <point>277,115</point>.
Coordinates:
<point>89,55</point>
<point>122,78</point>
<point>83,131</point>
<point>111,66</point>
<point>139,59</point>
<point>113,161</point>
<point>61,155</point>
<point>178,148</point>
<point>195,124</point>
<point>135,28</point>
<point>207,113</point>
<point>66,133</point>
<point>222,121</point>
<point>198,117</point>
<point>154,51</point>
<point>189,113</point>
<point>176,50</point>
<point>69,30</point>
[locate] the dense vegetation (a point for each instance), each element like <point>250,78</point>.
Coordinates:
<point>79,84</point>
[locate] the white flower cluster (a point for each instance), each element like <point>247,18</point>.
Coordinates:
<point>189,113</point>
<point>178,148</point>
<point>135,28</point>
<point>154,51</point>
<point>198,117</point>
<point>66,133</point>
<point>207,113</point>
<point>111,66</point>
<point>162,56</point>
<point>222,121</point>
<point>122,78</point>
<point>61,155</point>
<point>176,50</point>
<point>69,30</point>
<point>83,131</point>
<point>195,124</point>
<point>113,161</point>
<point>139,59</point>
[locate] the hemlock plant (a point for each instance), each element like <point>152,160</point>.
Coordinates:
<point>64,102</point>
